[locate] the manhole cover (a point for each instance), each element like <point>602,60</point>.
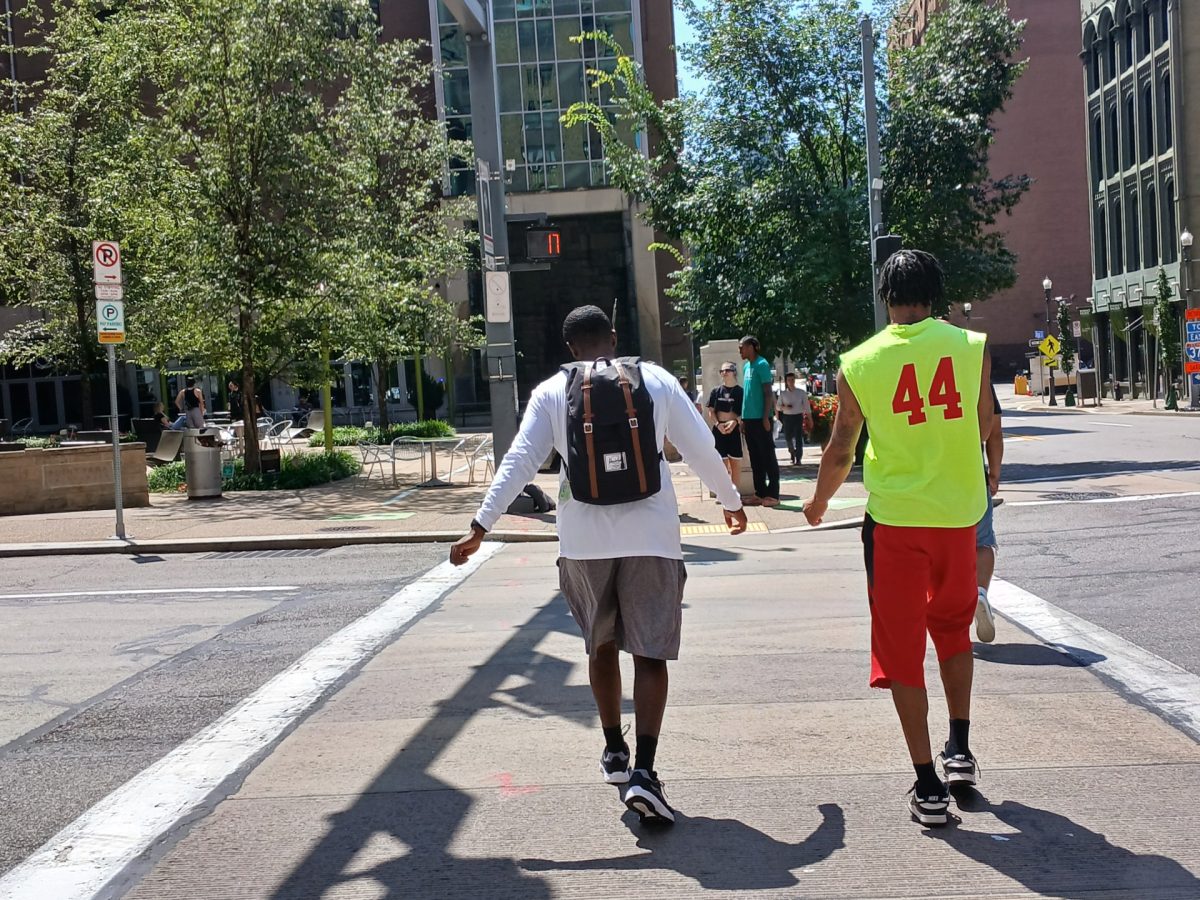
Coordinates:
<point>1079,495</point>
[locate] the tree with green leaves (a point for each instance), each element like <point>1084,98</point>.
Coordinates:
<point>942,95</point>
<point>1166,329</point>
<point>78,163</point>
<point>1066,336</point>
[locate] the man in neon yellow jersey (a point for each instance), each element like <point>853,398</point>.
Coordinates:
<point>920,385</point>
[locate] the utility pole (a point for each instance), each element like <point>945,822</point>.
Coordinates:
<point>475,17</point>
<point>874,171</point>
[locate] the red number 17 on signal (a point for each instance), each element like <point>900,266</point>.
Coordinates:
<point>942,392</point>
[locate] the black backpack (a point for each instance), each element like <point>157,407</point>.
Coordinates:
<point>612,451</point>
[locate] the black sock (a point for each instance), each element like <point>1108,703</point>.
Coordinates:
<point>647,746</point>
<point>960,734</point>
<point>928,783</point>
<point>614,741</point>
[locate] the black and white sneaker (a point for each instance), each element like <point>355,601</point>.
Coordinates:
<point>615,766</point>
<point>931,810</point>
<point>646,797</point>
<point>959,769</point>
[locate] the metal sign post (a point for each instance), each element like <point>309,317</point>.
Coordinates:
<point>110,331</point>
<point>874,166</point>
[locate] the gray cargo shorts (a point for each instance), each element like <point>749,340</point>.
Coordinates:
<point>636,601</point>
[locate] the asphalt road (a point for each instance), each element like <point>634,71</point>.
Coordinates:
<point>96,686</point>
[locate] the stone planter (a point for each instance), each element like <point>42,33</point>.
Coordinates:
<point>70,478</point>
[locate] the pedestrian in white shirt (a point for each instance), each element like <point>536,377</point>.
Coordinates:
<point>795,414</point>
<point>620,563</point>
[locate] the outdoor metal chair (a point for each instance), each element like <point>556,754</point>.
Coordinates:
<point>22,427</point>
<point>485,454</point>
<point>372,455</point>
<point>407,449</point>
<point>276,435</point>
<point>466,450</point>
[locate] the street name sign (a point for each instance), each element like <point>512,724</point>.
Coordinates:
<point>110,321</point>
<point>106,262</point>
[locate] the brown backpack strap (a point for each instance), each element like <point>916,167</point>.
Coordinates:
<point>588,428</point>
<point>631,413</point>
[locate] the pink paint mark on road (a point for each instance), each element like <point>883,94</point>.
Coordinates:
<point>508,789</point>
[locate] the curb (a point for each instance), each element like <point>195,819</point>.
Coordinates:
<point>828,526</point>
<point>261,542</point>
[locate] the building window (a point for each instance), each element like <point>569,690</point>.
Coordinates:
<point>1118,240</point>
<point>1110,54</point>
<point>1171,231</point>
<point>1166,135</point>
<point>1094,66</point>
<point>1129,131</point>
<point>1133,235</point>
<point>1164,21</point>
<point>1147,123</point>
<point>1129,35</point>
<point>1097,151</point>
<point>1100,248</point>
<point>1151,222</point>
<point>1146,17</point>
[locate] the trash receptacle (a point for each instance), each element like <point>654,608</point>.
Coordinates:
<point>202,462</point>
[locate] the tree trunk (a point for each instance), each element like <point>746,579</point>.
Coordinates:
<point>250,434</point>
<point>451,400</point>
<point>379,372</point>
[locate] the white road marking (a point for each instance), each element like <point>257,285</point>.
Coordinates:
<point>1172,692</point>
<point>85,857</point>
<point>1114,424</point>
<point>1131,499</point>
<point>252,589</point>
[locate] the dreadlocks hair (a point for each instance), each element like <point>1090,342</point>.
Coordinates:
<point>912,278</point>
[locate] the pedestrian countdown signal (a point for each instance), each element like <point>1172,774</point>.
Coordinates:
<point>543,243</point>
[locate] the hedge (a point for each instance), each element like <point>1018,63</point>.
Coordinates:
<point>296,471</point>
<point>350,435</point>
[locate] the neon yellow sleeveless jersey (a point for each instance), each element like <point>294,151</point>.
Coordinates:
<point>918,386</point>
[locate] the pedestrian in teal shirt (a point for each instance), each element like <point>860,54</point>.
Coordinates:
<point>758,423</point>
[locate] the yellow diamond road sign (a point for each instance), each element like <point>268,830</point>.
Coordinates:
<point>1050,347</point>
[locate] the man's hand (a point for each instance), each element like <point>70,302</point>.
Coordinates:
<point>735,521</point>
<point>993,482</point>
<point>767,424</point>
<point>814,510</point>
<point>465,547</point>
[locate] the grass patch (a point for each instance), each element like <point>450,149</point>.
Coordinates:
<point>352,435</point>
<point>296,472</point>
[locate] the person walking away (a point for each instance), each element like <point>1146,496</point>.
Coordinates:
<point>758,417</point>
<point>237,409</point>
<point>190,403</point>
<point>918,386</point>
<point>725,407</point>
<point>620,564</point>
<point>986,545</point>
<point>795,415</point>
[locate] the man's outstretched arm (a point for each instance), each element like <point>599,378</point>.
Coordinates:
<point>838,458</point>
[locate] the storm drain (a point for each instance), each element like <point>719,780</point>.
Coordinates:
<point>268,554</point>
<point>340,528</point>
<point>1079,495</point>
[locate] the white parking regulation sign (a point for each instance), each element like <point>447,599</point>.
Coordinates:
<point>106,262</point>
<point>110,321</point>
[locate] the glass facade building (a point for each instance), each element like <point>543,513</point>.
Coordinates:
<point>540,72</point>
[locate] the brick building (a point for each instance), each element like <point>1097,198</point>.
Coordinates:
<point>1038,133</point>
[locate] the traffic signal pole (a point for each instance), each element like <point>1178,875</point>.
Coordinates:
<point>476,21</point>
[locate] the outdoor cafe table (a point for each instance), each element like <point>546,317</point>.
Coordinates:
<point>433,444</point>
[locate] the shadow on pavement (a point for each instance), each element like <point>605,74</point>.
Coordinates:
<point>719,854</point>
<point>1036,655</point>
<point>426,816</point>
<point>1052,855</point>
<point>1021,472</point>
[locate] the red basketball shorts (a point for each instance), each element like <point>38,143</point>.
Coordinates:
<point>919,580</point>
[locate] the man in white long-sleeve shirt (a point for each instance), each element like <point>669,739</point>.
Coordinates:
<point>621,565</point>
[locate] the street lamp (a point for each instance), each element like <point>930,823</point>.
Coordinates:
<point>1048,286</point>
<point>1185,293</point>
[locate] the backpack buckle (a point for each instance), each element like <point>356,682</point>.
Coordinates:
<point>633,423</point>
<point>587,427</point>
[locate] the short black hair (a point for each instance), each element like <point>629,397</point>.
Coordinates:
<point>789,375</point>
<point>912,278</point>
<point>751,340</point>
<point>190,380</point>
<point>586,323</point>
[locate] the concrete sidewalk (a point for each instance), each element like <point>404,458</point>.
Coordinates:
<point>462,762</point>
<point>368,511</point>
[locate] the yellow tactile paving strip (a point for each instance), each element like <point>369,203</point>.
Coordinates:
<point>694,530</point>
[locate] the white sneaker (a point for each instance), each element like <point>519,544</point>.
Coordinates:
<point>985,622</point>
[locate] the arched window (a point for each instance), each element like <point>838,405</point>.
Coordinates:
<point>1147,123</point>
<point>1095,66</point>
<point>1146,18</point>
<point>1171,229</point>
<point>1100,242</point>
<point>1110,54</point>
<point>1151,223</point>
<point>1133,234</point>
<point>1097,151</point>
<point>1129,34</point>
<point>1164,21</point>
<point>1167,132</point>
<point>1113,147</point>
<point>1130,132</point>
<point>1118,240</point>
